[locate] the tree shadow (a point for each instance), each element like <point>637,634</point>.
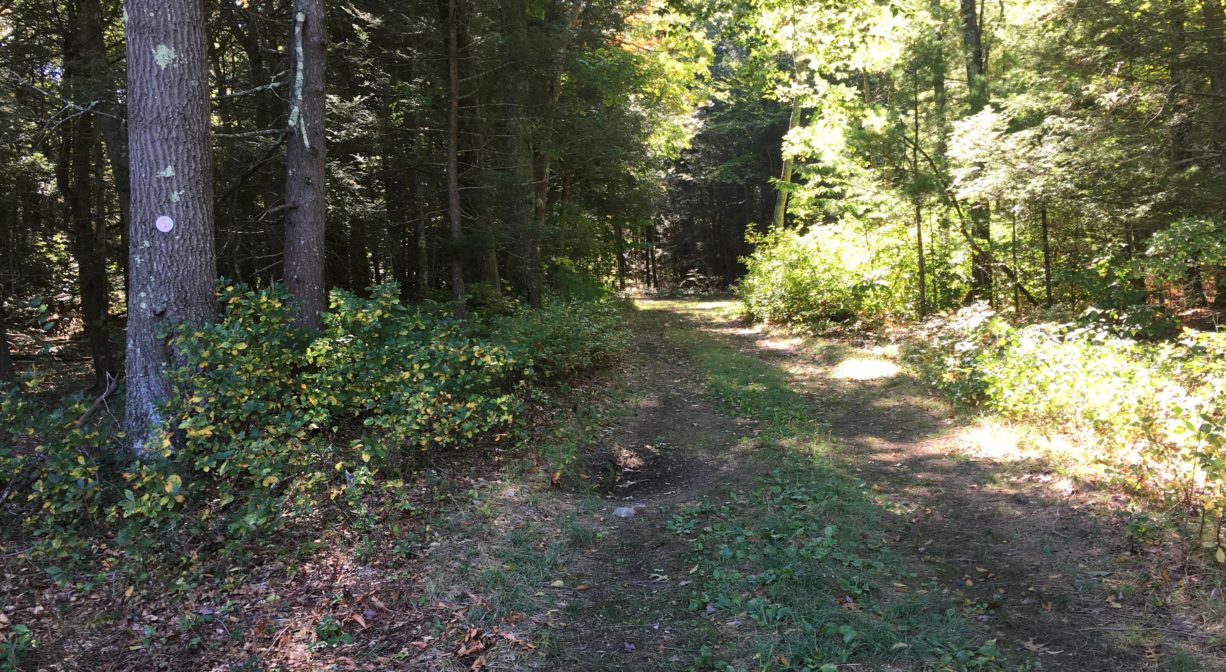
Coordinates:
<point>1045,569</point>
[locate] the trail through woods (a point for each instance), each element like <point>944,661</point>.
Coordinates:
<point>1019,555</point>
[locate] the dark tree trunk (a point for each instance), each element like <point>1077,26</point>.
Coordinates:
<point>1177,92</point>
<point>109,121</point>
<point>1046,255</point>
<point>7,373</point>
<point>455,219</point>
<point>75,178</point>
<point>420,242</point>
<point>540,211</point>
<point>306,182</point>
<point>171,237</point>
<point>977,85</point>
<point>1215,30</point>
<point>620,240</point>
<point>520,194</point>
<point>359,257</point>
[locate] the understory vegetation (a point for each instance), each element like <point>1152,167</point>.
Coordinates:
<point>277,428</point>
<point>1152,413</point>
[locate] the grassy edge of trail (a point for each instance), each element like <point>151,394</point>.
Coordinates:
<point>798,565</point>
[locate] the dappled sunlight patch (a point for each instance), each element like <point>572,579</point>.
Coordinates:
<point>865,369</point>
<point>780,344</point>
<point>1058,457</point>
<point>725,306</point>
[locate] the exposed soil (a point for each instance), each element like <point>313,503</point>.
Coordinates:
<point>1045,560</point>
<point>673,448</point>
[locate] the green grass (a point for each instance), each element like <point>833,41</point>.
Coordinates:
<point>795,560</point>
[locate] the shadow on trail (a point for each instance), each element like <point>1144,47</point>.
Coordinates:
<point>1046,572</point>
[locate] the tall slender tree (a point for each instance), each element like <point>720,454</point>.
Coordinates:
<point>455,217</point>
<point>977,92</point>
<point>306,181</point>
<point>171,237</point>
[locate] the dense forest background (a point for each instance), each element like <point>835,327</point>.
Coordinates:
<point>1025,153</point>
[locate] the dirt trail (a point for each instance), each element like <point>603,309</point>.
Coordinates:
<point>1048,568</point>
<point>673,447</point>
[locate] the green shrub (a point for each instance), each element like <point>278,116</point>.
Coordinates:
<point>562,338</point>
<point>50,465</point>
<point>813,278</point>
<point>1156,410</point>
<point>271,421</point>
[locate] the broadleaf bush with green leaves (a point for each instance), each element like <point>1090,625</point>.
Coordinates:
<point>816,278</point>
<point>1155,411</point>
<point>271,421</point>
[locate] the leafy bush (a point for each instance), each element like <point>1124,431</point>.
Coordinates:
<point>270,421</point>
<point>54,461</point>
<point>1156,410</point>
<point>562,338</point>
<point>810,278</point>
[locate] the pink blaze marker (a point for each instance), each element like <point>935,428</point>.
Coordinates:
<point>164,224</point>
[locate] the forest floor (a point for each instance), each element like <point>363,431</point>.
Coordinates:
<point>727,497</point>
<point>742,499</point>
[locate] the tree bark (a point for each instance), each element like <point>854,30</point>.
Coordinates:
<point>1215,30</point>
<point>75,179</point>
<point>421,237</point>
<point>785,176</point>
<point>109,121</point>
<point>306,155</point>
<point>7,372</point>
<point>455,218</point>
<point>919,201</point>
<point>1177,95</point>
<point>977,91</point>
<point>1046,255</point>
<point>171,237</point>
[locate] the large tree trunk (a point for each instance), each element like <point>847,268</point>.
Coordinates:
<point>171,237</point>
<point>977,86</point>
<point>519,190</point>
<point>306,182</point>
<point>455,216</point>
<point>1215,29</point>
